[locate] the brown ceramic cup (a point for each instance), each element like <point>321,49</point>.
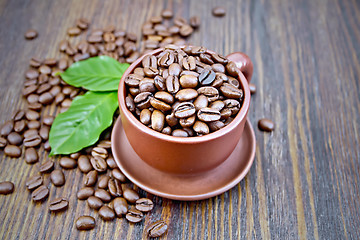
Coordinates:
<point>186,155</point>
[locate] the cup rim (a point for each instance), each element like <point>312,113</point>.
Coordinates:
<point>186,140</point>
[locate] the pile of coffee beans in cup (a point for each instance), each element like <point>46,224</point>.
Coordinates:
<point>184,91</point>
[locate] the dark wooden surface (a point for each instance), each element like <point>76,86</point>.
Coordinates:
<point>304,183</point>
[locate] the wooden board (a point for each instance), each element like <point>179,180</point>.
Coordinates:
<point>304,183</point>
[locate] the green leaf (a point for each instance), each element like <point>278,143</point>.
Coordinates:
<point>100,73</point>
<point>81,125</point>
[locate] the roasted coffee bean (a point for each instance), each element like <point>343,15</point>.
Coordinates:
<point>149,61</point>
<point>232,69</point>
<point>31,34</point>
<point>186,94</point>
<point>57,177</point>
<point>105,144</point>
<point>211,93</point>
<point>35,62</point>
<point>114,187</point>
<point>156,229</point>
<point>233,81</point>
<point>35,106</point>
<point>84,164</point>
<point>187,122</point>
<point>63,64</point>
<point>106,213</point>
<point>58,204</point>
<point>130,195</point>
<point>12,151</point>
<point>111,162</point>
<point>200,102</point>
<point>180,133</point>
<point>167,59</point>
<point>18,115</point>
<point>99,152</point>
<point>75,155</point>
<point>217,105</point>
<point>74,31</point>
<point>32,98</point>
<point>63,45</point>
<point>85,223</point>
<point>40,193</point>
<point>43,87</point>
<point>30,132</point>
<point>82,23</point>
<point>85,193</point>
<point>117,174</point>
<point>144,205</point>
<point>174,30</point>
<point>33,124</point>
<point>14,138</point>
<point>103,182</point>
<point>3,142</point>
<point>215,125</point>
<point>68,163</point>
<point>45,69</point>
<point>218,11</point>
<point>167,13</point>
<point>266,125</point>
<point>179,21</point>
<point>147,85</point>
<point>197,50</point>
<point>165,97</point>
<point>160,83</point>
<point>47,146</point>
<point>31,155</point>
<point>7,128</point>
<point>208,114</point>
<point>103,195</point>
<point>145,116</point>
<point>134,92</point>
<point>6,187</point>
<point>44,132</point>
<point>252,88</point>
<point>225,113</point>
<point>207,77</point>
<point>166,130</point>
<point>201,128</point>
<point>233,105</point>
<point>206,58</point>
<point>142,100</point>
<point>218,68</point>
<point>157,120</point>
<point>34,182</point>
<point>174,69</point>
<point>46,166</point>
<point>189,63</point>
<point>32,115</point>
<point>184,110</point>
<point>94,202</point>
<point>151,72</point>
<point>134,215</point>
<point>91,178</point>
<point>98,164</point>
<point>120,206</point>
<point>194,22</point>
<point>129,101</point>
<point>19,126</point>
<point>160,105</point>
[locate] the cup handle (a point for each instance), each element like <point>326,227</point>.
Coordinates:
<point>243,62</point>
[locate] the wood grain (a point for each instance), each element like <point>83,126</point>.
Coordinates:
<point>304,183</point>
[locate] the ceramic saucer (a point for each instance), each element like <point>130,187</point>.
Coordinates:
<point>184,187</point>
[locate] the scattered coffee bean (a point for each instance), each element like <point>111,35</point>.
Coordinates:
<point>130,195</point>
<point>111,162</point>
<point>57,177</point>
<point>74,31</point>
<point>6,187</point>
<point>85,223</point>
<point>117,174</point>
<point>106,213</point>
<point>252,88</point>
<point>84,164</point>
<point>12,151</point>
<point>68,163</point>
<point>218,11</point>
<point>3,142</point>
<point>114,187</point>
<point>120,206</point>
<point>85,193</point>
<point>40,193</point>
<point>31,155</point>
<point>98,164</point>
<point>94,202</point>
<point>91,178</point>
<point>34,182</point>
<point>134,215</point>
<point>266,125</point>
<point>46,166</point>
<point>156,229</point>
<point>99,152</point>
<point>14,138</point>
<point>103,195</point>
<point>31,34</point>
<point>144,205</point>
<point>58,204</point>
<point>7,128</point>
<point>103,182</point>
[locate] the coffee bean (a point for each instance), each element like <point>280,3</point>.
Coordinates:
<point>111,162</point>
<point>31,155</point>
<point>57,177</point>
<point>34,182</point>
<point>46,166</point>
<point>74,31</point>
<point>201,127</point>
<point>207,77</point>
<point>233,105</point>
<point>218,11</point>
<point>211,93</point>
<point>134,215</point>
<point>106,213</point>
<point>18,115</point>
<point>67,163</point>
<point>32,115</point>
<point>144,205</point>
<point>91,178</point>
<point>142,100</point>
<point>147,85</point>
<point>19,126</point>
<point>94,202</point>
<point>266,125</point>
<point>40,193</point>
<point>174,69</point>
<point>160,105</point>
<point>6,187</point>
<point>157,120</point>
<point>130,195</point>
<point>12,151</point>
<point>31,34</point>
<point>103,195</point>
<point>44,132</point>
<point>47,146</point>
<point>186,94</point>
<point>208,114</point>
<point>252,88</point>
<point>103,182</point>
<point>114,187</point>
<point>184,110</point>
<point>179,133</point>
<point>99,152</point>
<point>145,116</point>
<point>160,83</point>
<point>58,204</point>
<point>84,164</point>
<point>194,22</point>
<point>85,223</point>
<point>156,229</point>
<point>120,206</point>
<point>215,125</point>
<point>46,98</point>
<point>14,138</point>
<point>35,62</point>
<point>85,193</point>
<point>6,128</point>
<point>35,106</point>
<point>167,13</point>
<point>98,164</point>
<point>217,105</point>
<point>34,124</point>
<point>117,174</point>
<point>3,142</point>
